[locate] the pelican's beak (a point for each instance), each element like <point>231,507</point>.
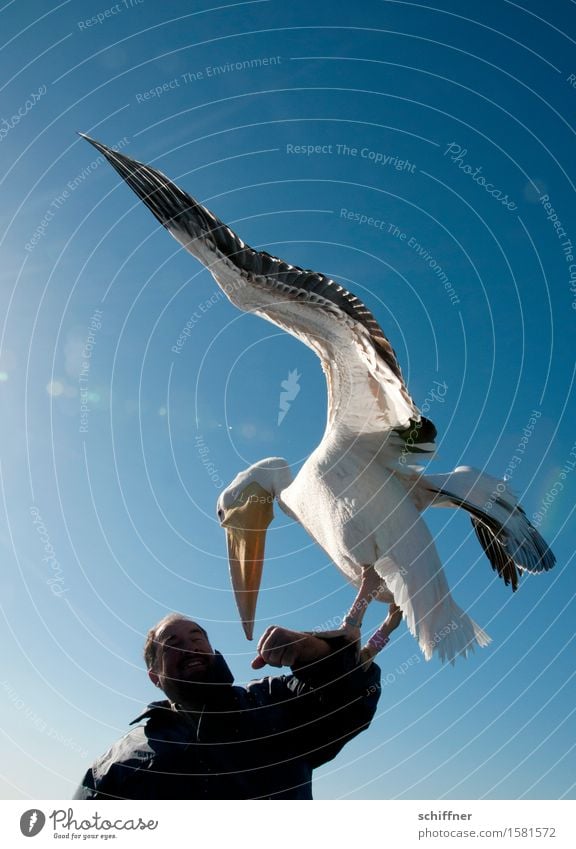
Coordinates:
<point>246,523</point>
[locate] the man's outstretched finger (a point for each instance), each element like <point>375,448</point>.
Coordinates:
<point>264,638</point>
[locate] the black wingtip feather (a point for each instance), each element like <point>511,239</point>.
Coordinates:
<point>178,211</point>
<point>162,197</point>
<point>499,559</point>
<point>532,554</point>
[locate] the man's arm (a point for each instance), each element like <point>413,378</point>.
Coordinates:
<point>86,789</point>
<point>330,697</point>
<point>89,788</point>
<point>282,647</point>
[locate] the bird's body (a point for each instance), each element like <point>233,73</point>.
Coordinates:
<point>358,494</point>
<point>355,511</point>
<point>365,513</point>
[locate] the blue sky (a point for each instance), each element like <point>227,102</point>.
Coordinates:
<point>341,141</point>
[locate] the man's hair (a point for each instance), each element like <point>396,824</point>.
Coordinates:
<point>151,644</point>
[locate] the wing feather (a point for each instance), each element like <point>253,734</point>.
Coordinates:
<point>262,283</point>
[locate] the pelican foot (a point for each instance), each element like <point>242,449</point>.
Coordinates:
<point>366,656</point>
<point>350,632</point>
<point>394,618</point>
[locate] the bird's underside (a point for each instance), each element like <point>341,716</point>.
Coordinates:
<point>381,543</point>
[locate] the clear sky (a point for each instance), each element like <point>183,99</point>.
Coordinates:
<point>421,157</point>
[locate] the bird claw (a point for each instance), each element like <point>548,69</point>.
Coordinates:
<point>394,618</point>
<point>351,633</point>
<point>366,657</point>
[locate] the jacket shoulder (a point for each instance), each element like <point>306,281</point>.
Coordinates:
<point>106,777</point>
<point>268,691</point>
<point>133,749</point>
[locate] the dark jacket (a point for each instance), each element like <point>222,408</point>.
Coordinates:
<point>256,742</point>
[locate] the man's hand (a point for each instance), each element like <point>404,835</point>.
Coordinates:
<point>282,647</point>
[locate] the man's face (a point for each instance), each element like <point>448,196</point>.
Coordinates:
<point>183,656</point>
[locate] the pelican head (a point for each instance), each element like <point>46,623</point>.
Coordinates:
<point>245,509</point>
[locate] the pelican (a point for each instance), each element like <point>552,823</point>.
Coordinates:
<point>358,495</point>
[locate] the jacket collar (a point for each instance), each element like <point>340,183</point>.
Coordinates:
<point>222,679</point>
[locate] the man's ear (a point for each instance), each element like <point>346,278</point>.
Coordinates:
<point>153,677</point>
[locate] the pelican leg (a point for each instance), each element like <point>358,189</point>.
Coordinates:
<point>370,586</point>
<point>369,589</point>
<point>381,637</point>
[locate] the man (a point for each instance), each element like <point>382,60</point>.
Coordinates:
<point>213,740</point>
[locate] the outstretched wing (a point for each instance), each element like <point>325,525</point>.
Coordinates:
<point>366,390</point>
<point>509,539</point>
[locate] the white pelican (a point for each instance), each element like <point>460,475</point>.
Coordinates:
<point>356,495</point>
